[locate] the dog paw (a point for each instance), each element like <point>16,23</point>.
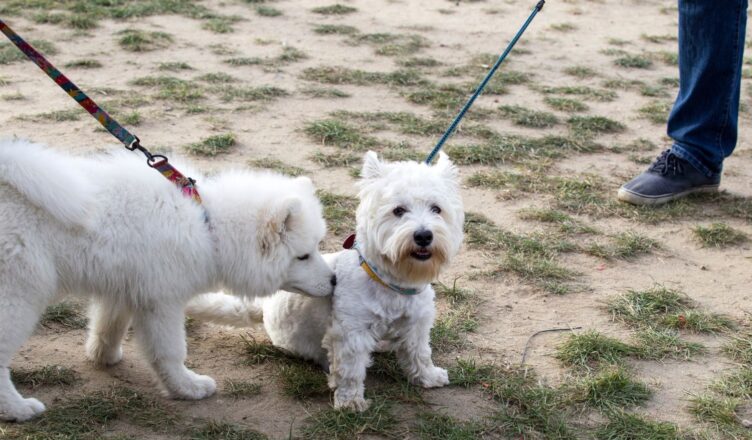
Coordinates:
<point>358,404</point>
<point>103,356</point>
<point>21,410</point>
<point>433,378</point>
<point>193,387</point>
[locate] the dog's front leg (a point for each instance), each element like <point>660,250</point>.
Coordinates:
<point>161,331</point>
<point>349,354</point>
<point>414,356</point>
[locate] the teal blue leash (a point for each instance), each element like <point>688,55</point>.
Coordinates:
<point>483,84</point>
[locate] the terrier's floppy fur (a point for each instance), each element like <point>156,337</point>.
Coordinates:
<point>109,227</point>
<point>409,227</point>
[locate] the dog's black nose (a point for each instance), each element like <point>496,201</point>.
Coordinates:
<point>423,237</point>
<point>333,280</point>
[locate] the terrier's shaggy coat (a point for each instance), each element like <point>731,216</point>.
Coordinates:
<point>109,227</point>
<point>409,226</point>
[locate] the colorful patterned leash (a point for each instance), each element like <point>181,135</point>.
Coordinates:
<point>483,84</point>
<point>157,161</point>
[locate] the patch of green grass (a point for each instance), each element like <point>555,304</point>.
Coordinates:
<point>564,222</point>
<point>625,245</point>
<point>510,148</point>
<point>214,430</point>
<point>277,166</point>
<point>659,38</point>
<point>591,349</point>
<point>563,27</point>
<point>291,55</point>
<point>135,40</point>
<point>17,96</point>
<point>656,112</point>
<point>609,388</point>
<point>405,45</point>
<point>595,124</point>
<point>171,88</point>
<point>433,426</point>
<point>336,159</point>
<point>531,410</point>
<point>622,425</point>
<point>64,314</point>
<point>303,381</point>
<point>213,145</point>
<point>268,11</point>
<point>339,212</point>
<point>340,134</point>
<point>585,92</point>
<point>256,353</point>
<point>73,114</point>
<point>244,61</point>
<point>219,25</point>
<point>665,308</point>
<point>546,273</point>
<point>736,384</point>
<point>49,375</point>
<point>660,344</point>
<point>343,75</point>
<point>531,257</point>
<point>581,72</point>
<point>174,66</point>
<point>89,416</point>
<point>332,424</point>
<point>335,9</point>
<point>740,349</point>
<point>633,61</point>
<point>217,78</point>
<point>718,411</point>
<point>719,235</point>
<point>566,104</point>
<point>414,62</point>
<point>528,118</point>
<point>84,63</point>
<point>335,29</point>
<point>450,329</point>
<point>323,92</point>
<point>239,388</point>
<point>403,122</point>
<point>262,93</point>
<point>445,97</point>
<point>669,58</point>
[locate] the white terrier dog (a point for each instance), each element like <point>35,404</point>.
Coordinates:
<point>409,227</point>
<point>111,228</point>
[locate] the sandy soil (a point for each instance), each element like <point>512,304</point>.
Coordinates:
<point>512,310</point>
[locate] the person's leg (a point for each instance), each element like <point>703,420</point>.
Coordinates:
<point>703,122</point>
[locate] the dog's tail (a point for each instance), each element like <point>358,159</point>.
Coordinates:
<point>224,309</point>
<point>48,179</point>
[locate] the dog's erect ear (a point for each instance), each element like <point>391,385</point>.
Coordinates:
<point>278,221</point>
<point>446,167</point>
<point>372,166</point>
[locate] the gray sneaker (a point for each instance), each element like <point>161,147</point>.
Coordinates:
<point>668,178</point>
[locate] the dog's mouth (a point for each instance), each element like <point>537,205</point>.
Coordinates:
<point>421,254</point>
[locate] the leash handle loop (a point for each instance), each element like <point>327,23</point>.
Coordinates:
<point>479,89</point>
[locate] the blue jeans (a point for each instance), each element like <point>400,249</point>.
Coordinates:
<point>704,120</point>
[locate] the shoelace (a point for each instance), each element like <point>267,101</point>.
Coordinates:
<point>667,163</point>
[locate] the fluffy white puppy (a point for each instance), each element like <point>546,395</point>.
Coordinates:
<point>409,226</point>
<point>109,227</point>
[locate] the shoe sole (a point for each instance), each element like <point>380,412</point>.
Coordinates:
<point>625,195</point>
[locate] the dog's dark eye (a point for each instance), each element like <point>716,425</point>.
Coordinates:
<point>399,211</point>
<point>435,209</point>
<point>304,257</point>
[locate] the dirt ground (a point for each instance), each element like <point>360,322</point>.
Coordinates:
<point>589,35</point>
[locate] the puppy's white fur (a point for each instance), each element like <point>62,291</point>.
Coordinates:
<point>109,227</point>
<point>363,316</point>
